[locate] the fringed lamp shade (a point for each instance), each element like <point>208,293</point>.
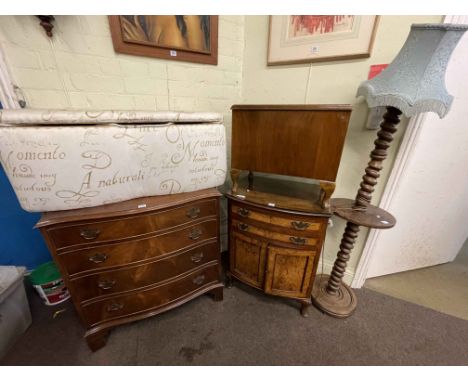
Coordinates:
<point>415,80</point>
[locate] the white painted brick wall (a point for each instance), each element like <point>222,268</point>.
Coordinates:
<point>78,68</point>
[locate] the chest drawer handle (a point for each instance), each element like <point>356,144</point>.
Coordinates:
<point>98,258</point>
<point>195,233</point>
<point>297,240</point>
<point>193,212</point>
<point>244,212</point>
<point>199,279</point>
<point>106,284</point>
<point>300,226</point>
<point>197,257</point>
<point>115,306</point>
<point>89,233</point>
<point>243,226</point>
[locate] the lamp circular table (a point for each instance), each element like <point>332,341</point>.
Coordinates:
<point>413,83</point>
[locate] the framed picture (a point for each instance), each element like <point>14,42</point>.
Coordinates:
<point>183,38</point>
<point>297,39</point>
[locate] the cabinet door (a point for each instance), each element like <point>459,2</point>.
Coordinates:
<point>289,272</point>
<point>247,259</point>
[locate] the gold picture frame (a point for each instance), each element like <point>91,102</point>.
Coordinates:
<point>318,38</point>
<point>182,38</point>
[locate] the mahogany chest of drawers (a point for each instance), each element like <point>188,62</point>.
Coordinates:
<point>131,260</point>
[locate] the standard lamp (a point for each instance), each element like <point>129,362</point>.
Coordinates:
<point>413,83</point>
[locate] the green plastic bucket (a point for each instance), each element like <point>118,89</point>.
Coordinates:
<point>48,282</point>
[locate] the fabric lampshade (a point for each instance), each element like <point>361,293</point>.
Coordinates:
<point>415,80</point>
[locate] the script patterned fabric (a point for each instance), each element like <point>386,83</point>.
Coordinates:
<point>60,160</point>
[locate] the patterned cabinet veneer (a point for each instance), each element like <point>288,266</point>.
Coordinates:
<point>131,260</point>
<point>274,249</point>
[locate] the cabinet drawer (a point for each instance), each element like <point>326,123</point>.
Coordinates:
<point>271,235</point>
<point>139,276</point>
<point>131,226</point>
<point>304,224</point>
<point>160,296</point>
<point>105,256</point>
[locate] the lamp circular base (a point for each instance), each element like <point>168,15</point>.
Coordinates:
<point>339,305</point>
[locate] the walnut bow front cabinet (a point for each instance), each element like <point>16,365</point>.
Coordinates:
<point>131,260</point>
<point>277,226</point>
<point>275,250</point>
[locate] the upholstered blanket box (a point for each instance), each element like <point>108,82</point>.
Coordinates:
<point>60,160</point>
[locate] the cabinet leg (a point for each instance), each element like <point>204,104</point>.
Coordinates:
<point>305,309</point>
<point>217,294</point>
<point>97,340</point>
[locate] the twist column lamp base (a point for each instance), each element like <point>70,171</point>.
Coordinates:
<point>330,294</point>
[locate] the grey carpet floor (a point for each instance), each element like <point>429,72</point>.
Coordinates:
<point>249,328</point>
<point>448,285</point>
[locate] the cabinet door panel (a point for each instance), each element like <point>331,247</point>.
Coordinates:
<point>247,259</point>
<point>289,272</point>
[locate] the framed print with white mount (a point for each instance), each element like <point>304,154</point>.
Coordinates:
<point>313,38</point>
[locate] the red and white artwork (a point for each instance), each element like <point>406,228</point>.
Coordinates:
<point>320,25</point>
<point>307,38</point>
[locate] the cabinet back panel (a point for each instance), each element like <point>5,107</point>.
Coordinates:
<point>303,143</point>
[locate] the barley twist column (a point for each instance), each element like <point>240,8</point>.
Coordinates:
<point>331,295</point>
<point>382,143</point>
<point>339,268</point>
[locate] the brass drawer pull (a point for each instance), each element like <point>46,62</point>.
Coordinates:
<point>197,257</point>
<point>243,226</point>
<point>297,240</point>
<point>244,212</point>
<point>106,284</point>
<point>98,258</point>
<point>193,212</point>
<point>300,226</point>
<point>114,307</point>
<point>89,233</point>
<point>195,233</point>
<point>199,279</point>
